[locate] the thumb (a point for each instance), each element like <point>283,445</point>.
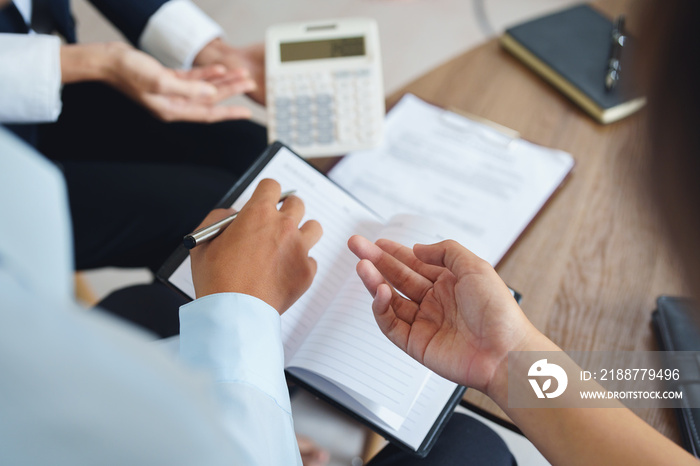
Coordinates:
<point>452,255</point>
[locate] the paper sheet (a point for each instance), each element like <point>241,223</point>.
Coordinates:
<point>439,164</point>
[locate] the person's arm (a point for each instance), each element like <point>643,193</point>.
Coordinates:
<point>30,78</point>
<point>461,321</point>
<point>181,36</point>
<point>236,338</point>
<point>75,375</point>
<point>244,280</point>
<point>170,95</point>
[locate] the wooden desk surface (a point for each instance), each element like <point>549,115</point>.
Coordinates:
<point>593,262</point>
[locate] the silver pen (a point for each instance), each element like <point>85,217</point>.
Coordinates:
<point>212,231</point>
<point>617,42</point>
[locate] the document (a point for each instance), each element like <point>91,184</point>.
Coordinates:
<point>331,340</point>
<point>436,176</point>
<point>440,165</point>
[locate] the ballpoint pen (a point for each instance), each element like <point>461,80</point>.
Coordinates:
<point>617,41</point>
<point>213,230</point>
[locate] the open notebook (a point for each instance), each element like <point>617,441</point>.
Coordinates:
<point>332,343</point>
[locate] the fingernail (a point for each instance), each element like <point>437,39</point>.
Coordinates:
<point>208,90</point>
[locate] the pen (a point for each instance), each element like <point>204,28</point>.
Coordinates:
<point>617,41</point>
<point>212,231</point>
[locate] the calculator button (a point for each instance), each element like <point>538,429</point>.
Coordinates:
<point>324,99</point>
<point>324,138</point>
<point>283,127</point>
<point>365,124</point>
<point>344,87</point>
<point>348,117</point>
<point>303,140</point>
<point>324,114</point>
<point>325,123</point>
<point>282,117</point>
<point>285,138</point>
<point>303,101</point>
<point>326,88</point>
<point>346,134</point>
<point>282,102</point>
<point>344,106</point>
<point>304,114</point>
<point>304,126</point>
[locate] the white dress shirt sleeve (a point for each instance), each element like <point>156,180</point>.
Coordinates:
<point>177,32</point>
<point>80,388</point>
<point>237,339</point>
<point>30,78</point>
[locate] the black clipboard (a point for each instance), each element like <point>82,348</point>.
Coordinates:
<point>181,253</point>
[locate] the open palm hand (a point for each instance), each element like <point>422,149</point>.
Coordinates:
<point>456,316</point>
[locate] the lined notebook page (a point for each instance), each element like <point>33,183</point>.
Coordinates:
<point>347,346</point>
<point>426,409</point>
<point>340,216</point>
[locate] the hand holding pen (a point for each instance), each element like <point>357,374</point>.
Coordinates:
<point>212,231</point>
<point>263,253</point>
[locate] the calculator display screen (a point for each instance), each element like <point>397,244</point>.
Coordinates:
<point>317,49</point>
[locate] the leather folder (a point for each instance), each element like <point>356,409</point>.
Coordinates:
<point>677,325</point>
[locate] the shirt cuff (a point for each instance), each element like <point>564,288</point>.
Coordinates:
<point>30,78</point>
<point>237,338</point>
<point>177,32</point>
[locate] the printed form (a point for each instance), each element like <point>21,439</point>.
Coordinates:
<point>437,164</point>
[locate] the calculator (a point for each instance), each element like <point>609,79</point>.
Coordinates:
<point>324,86</point>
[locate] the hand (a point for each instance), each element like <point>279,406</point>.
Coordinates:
<point>460,319</point>
<point>251,58</point>
<point>311,454</point>
<point>176,95</point>
<point>171,95</point>
<point>262,253</point>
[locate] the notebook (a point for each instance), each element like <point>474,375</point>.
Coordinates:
<point>435,176</point>
<point>570,49</point>
<point>332,344</point>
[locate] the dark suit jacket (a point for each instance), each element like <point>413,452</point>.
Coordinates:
<point>130,16</point>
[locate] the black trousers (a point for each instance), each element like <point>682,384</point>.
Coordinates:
<point>465,441</point>
<point>137,185</point>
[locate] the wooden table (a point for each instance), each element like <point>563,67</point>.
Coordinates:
<point>594,260</point>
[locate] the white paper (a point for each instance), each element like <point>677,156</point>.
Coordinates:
<point>438,164</point>
<point>341,216</point>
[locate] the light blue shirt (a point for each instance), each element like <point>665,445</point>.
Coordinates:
<point>78,387</point>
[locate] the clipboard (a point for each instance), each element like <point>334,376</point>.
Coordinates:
<point>166,272</point>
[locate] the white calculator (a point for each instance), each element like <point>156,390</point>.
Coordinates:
<point>324,86</point>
